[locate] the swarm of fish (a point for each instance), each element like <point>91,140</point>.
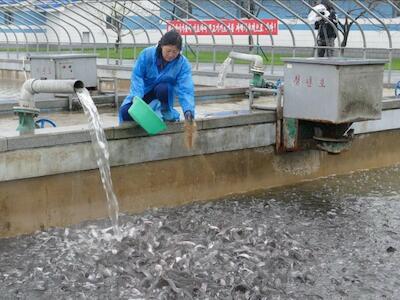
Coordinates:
<point>186,253</point>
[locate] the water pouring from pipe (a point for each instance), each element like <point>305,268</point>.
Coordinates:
<point>27,111</point>
<point>257,67</point>
<point>222,73</point>
<point>100,147</point>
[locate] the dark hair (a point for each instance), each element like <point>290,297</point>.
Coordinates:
<point>171,38</point>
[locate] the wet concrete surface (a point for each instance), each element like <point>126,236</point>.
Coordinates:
<point>109,115</point>
<point>10,89</point>
<point>333,238</point>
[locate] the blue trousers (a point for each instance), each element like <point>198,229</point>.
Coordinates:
<point>159,92</point>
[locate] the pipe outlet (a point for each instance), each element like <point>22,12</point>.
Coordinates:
<point>35,86</point>
<point>258,64</point>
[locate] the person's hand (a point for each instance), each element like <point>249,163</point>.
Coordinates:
<point>188,116</point>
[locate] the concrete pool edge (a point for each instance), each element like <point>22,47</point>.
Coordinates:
<point>51,178</point>
<point>64,199</point>
<point>25,156</point>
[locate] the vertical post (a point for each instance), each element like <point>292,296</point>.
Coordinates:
<point>251,97</point>
<point>279,117</point>
<point>70,102</point>
<point>116,92</point>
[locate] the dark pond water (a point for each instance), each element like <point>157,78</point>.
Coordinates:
<point>334,238</point>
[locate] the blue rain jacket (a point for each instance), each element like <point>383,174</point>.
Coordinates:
<point>177,73</point>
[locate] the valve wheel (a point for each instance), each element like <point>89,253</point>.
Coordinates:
<point>41,123</point>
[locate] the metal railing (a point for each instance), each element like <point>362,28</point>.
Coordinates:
<point>118,30</point>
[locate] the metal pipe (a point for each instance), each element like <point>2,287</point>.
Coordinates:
<point>32,14</point>
<point>101,28</point>
<point>327,20</point>
<point>62,20</point>
<point>34,86</point>
<point>115,28</point>
<point>302,20</point>
<point>388,34</point>
<point>157,16</point>
<point>205,25</point>
<point>358,25</point>
<point>258,64</point>
<point>398,11</point>
<point>232,16</point>
<point>187,24</point>
<point>15,36</point>
<point>279,118</point>
<point>79,22</point>
<point>105,22</point>
<point>265,26</point>
<point>27,24</point>
<point>282,21</point>
<point>49,20</point>
<point>122,24</point>
<point>19,27</point>
<point>7,41</point>
<point>133,21</point>
<point>149,21</point>
<point>216,19</point>
<point>393,5</point>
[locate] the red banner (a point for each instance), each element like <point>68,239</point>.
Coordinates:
<point>235,27</point>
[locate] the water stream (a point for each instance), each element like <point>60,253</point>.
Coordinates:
<point>222,73</point>
<point>100,147</point>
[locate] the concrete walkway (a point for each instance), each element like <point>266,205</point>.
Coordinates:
<point>109,116</point>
